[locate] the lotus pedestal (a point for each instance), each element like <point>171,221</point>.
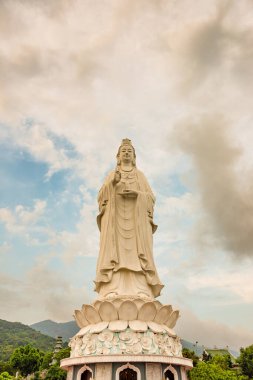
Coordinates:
<point>126,339</point>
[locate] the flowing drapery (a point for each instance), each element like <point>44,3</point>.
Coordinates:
<point>126,228</point>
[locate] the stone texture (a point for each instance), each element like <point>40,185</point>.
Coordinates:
<point>125,342</point>
<point>126,202</point>
<point>103,371</point>
<point>153,371</point>
<point>124,308</point>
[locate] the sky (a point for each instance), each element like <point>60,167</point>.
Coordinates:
<point>175,77</point>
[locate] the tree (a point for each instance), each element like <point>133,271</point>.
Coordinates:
<point>6,367</point>
<point>6,376</point>
<point>46,361</point>
<point>209,371</point>
<point>245,361</point>
<point>36,376</point>
<point>190,355</point>
<point>223,361</point>
<point>62,354</point>
<point>26,359</point>
<point>55,373</point>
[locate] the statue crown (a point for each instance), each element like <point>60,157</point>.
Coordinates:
<point>126,142</point>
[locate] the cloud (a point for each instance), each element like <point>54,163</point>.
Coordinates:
<point>43,291</point>
<point>227,205</point>
<point>214,50</point>
<point>175,217</point>
<point>92,85</point>
<point>237,284</point>
<point>22,219</point>
<point>84,241</point>
<point>4,248</point>
<point>211,333</point>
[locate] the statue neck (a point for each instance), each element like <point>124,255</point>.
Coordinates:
<point>126,167</point>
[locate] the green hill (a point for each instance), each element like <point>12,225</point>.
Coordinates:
<point>15,334</point>
<point>66,330</point>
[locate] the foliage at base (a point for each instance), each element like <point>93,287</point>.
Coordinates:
<point>26,359</point>
<point>190,355</point>
<point>55,373</point>
<point>245,361</point>
<point>210,371</point>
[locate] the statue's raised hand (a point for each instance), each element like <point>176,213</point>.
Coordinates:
<point>117,178</point>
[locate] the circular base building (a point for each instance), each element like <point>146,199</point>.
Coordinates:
<point>126,339</point>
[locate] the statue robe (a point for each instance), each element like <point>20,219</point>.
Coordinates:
<point>126,242</point>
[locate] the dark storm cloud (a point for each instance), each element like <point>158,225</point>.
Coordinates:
<point>227,204</point>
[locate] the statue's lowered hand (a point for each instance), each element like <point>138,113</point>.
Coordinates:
<point>129,193</point>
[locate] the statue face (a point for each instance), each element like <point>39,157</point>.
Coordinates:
<point>126,154</point>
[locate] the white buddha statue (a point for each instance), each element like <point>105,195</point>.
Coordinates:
<point>125,265</point>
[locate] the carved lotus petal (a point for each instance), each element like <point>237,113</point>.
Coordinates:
<point>158,304</point>
<point>155,327</point>
<point>87,338</point>
<point>84,317</point>
<point>106,336</point>
<point>118,326</point>
<point>147,311</point>
<point>159,340</point>
<point>128,311</point>
<point>139,302</point>
<point>127,335</point>
<point>108,344</point>
<point>107,311</point>
<point>78,342</point>
<point>80,318</point>
<point>169,331</point>
<point>166,350</point>
<point>91,314</point>
<point>90,348</point>
<point>133,340</point>
<point>117,302</point>
<point>173,319</point>
<point>146,343</point>
<point>134,349</point>
<point>98,327</point>
<point>84,330</point>
<point>163,314</point>
<point>96,304</point>
<point>139,326</point>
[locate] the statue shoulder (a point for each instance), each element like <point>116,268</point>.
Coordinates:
<point>109,177</point>
<point>141,175</point>
<point>106,185</point>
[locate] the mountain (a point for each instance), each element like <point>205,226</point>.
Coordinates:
<point>15,334</point>
<point>66,330</point>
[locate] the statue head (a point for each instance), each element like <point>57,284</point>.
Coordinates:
<point>126,151</point>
